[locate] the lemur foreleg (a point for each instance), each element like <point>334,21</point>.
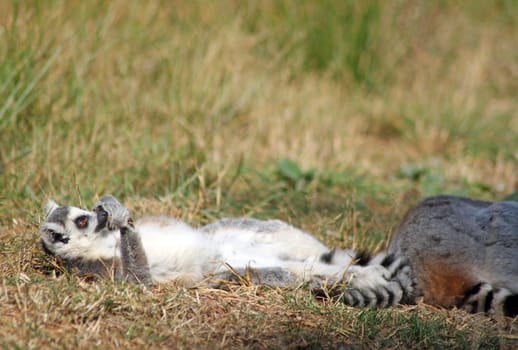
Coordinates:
<point>135,267</point>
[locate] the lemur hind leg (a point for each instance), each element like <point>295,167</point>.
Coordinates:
<point>135,267</point>
<point>387,283</point>
<point>270,276</point>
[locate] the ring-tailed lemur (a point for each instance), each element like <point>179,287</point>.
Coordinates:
<point>106,242</point>
<point>452,251</point>
<point>462,253</point>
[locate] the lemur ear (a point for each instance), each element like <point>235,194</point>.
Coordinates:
<point>50,207</point>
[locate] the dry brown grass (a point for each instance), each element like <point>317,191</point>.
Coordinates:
<point>186,108</point>
<point>65,313</point>
<point>40,310</point>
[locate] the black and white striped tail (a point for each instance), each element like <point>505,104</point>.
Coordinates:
<point>484,298</point>
<point>396,286</point>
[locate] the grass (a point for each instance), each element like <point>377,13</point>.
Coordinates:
<point>335,116</point>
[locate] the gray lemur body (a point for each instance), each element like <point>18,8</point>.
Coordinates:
<point>461,252</point>
<point>450,251</point>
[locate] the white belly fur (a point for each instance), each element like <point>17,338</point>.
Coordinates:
<point>177,251</point>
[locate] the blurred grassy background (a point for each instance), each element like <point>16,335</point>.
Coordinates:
<point>333,115</point>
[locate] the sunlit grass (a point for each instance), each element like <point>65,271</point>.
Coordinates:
<point>333,115</point>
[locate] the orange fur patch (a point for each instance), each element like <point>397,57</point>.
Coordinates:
<point>444,285</point>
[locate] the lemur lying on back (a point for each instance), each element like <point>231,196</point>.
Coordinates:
<point>451,251</point>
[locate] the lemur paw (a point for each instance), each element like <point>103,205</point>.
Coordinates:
<point>115,214</point>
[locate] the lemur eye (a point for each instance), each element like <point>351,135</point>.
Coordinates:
<point>81,222</point>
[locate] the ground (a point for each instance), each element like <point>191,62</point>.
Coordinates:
<point>335,116</point>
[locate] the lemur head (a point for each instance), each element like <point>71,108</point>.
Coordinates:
<point>71,233</point>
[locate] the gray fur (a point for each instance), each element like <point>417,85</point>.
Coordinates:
<point>49,207</point>
<point>455,252</point>
<point>451,251</point>
<point>398,287</point>
<point>461,233</point>
<point>277,277</point>
<point>109,216</point>
<point>58,215</point>
<point>245,223</point>
<point>101,268</point>
<point>110,234</point>
<point>135,267</point>
<point>134,260</point>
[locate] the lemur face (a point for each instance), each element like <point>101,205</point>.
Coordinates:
<point>71,232</point>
